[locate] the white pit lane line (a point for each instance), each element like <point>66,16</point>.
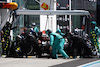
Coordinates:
<point>92,64</point>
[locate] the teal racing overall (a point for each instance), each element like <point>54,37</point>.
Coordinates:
<point>57,43</point>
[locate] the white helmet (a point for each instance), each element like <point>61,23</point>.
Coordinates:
<point>33,24</point>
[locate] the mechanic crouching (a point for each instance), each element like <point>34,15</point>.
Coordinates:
<point>56,44</point>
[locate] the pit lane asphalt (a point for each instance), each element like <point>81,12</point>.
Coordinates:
<point>32,61</point>
<point>76,62</point>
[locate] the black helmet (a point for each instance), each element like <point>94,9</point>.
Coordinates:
<point>7,23</point>
<point>48,31</point>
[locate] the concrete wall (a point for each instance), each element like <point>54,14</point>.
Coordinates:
<point>3,13</point>
<point>0,16</point>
